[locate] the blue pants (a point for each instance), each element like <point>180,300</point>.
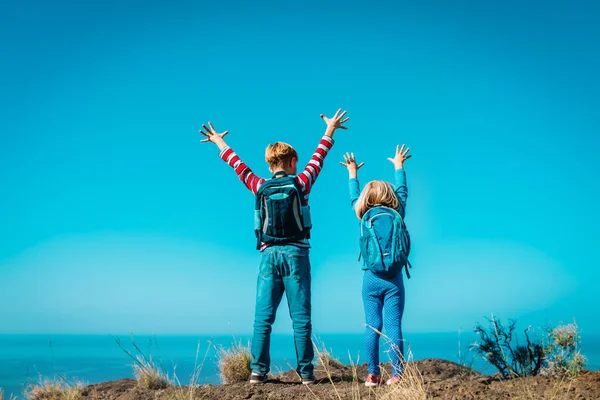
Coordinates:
<point>384,295</point>
<point>283,269</point>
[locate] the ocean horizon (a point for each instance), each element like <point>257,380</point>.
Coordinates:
<point>98,358</point>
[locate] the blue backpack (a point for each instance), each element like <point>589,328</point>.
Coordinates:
<point>384,241</point>
<point>280,215</point>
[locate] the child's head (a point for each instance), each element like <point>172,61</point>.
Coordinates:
<point>281,157</point>
<point>376,193</point>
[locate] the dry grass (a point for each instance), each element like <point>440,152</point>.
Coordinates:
<point>54,389</point>
<point>561,389</point>
<point>187,393</point>
<point>149,375</point>
<point>355,383</point>
<point>11,397</point>
<point>325,361</point>
<point>410,387</point>
<point>324,357</point>
<point>234,363</point>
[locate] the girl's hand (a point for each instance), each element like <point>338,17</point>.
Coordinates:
<point>400,157</point>
<point>351,164</point>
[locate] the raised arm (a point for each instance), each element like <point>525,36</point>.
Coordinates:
<point>353,184</point>
<point>398,161</point>
<point>309,175</point>
<point>244,173</point>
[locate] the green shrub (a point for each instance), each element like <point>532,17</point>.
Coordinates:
<point>563,355</point>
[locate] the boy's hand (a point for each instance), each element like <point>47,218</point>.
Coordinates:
<point>351,164</point>
<point>400,157</point>
<point>335,122</point>
<point>212,135</point>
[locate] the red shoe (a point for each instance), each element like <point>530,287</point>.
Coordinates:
<point>373,380</point>
<point>393,379</point>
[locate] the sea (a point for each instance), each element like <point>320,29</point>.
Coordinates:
<point>25,359</point>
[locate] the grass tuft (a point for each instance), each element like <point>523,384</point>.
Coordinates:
<point>411,385</point>
<point>324,357</point>
<point>54,389</point>
<point>234,363</point>
<point>149,375</point>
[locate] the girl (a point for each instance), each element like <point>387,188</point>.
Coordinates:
<point>381,292</point>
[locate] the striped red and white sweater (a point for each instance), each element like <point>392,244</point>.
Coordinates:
<point>306,178</point>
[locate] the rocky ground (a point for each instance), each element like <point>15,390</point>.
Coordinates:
<point>439,379</point>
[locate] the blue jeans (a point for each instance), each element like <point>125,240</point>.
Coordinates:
<point>384,296</point>
<point>283,269</point>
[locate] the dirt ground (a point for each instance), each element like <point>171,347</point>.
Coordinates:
<point>441,379</point>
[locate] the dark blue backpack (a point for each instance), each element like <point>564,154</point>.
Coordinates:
<point>384,241</point>
<point>280,215</point>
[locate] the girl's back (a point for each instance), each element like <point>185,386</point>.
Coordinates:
<point>380,207</point>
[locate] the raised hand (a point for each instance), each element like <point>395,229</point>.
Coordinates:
<point>400,157</point>
<point>350,164</point>
<point>212,135</point>
<point>336,122</point>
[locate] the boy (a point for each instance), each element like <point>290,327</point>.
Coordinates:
<point>285,265</point>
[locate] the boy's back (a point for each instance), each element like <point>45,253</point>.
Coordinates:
<point>285,264</point>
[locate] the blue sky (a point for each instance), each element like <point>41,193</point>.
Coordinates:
<point>115,219</point>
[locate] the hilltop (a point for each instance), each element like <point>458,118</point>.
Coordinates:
<point>439,379</point>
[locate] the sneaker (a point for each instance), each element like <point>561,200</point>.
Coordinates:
<point>393,379</point>
<point>373,380</point>
<point>258,378</point>
<point>308,380</point>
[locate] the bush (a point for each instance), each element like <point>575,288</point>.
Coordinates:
<point>234,363</point>
<point>499,346</point>
<point>563,355</point>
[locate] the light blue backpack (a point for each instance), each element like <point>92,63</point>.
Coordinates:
<point>384,241</point>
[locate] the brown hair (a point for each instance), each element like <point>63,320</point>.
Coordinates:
<point>376,193</point>
<point>280,154</point>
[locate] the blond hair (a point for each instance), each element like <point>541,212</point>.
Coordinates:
<point>280,154</point>
<point>376,193</point>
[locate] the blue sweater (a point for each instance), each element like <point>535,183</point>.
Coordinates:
<point>400,189</point>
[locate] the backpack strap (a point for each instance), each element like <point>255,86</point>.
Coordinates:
<point>406,267</point>
<point>394,233</point>
<point>373,235</point>
<point>257,219</point>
